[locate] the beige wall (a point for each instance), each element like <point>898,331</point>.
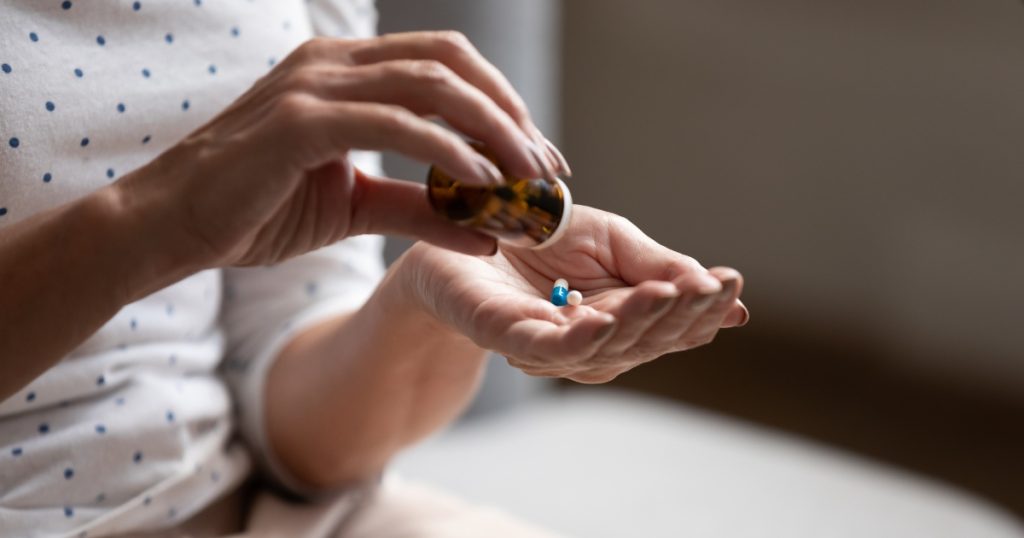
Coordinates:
<point>860,160</point>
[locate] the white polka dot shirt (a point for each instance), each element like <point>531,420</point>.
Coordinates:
<point>133,431</point>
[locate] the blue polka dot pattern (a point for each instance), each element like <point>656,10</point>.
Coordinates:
<point>40,141</point>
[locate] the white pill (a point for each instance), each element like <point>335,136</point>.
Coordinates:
<point>574,298</point>
<point>562,283</point>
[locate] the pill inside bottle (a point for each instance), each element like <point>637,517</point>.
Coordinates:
<point>527,212</point>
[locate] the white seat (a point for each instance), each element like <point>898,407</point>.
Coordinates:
<point>602,463</point>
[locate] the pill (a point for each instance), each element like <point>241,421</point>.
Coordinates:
<point>559,292</point>
<point>574,298</point>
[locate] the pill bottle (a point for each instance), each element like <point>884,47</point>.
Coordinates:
<point>526,212</point>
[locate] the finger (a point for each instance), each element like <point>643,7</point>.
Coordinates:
<point>389,206</point>
<point>638,258</point>
<point>595,376</point>
<point>458,53</point>
<point>641,308</point>
<point>316,131</point>
<point>428,87</point>
<point>738,315</point>
<point>698,291</point>
<point>704,328</point>
<point>544,344</point>
<point>553,150</point>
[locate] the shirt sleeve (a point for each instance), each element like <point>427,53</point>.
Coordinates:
<point>343,18</point>
<point>266,307</point>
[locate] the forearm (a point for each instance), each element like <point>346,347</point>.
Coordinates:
<point>344,396</point>
<point>66,271</point>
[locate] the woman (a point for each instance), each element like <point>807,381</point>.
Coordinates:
<point>171,227</point>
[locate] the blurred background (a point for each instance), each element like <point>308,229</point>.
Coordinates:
<point>860,161</point>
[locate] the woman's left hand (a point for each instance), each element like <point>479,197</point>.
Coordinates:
<point>641,300</point>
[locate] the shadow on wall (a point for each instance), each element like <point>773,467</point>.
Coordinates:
<point>859,160</point>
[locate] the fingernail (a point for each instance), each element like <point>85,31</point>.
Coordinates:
<point>489,173</point>
<point>660,305</point>
<point>562,163</point>
<point>746,316</point>
<point>541,163</point>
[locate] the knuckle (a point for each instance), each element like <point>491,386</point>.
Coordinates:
<point>292,108</point>
<point>595,377</point>
<point>689,343</point>
<point>313,48</point>
<point>618,221</point>
<point>429,71</point>
<point>303,78</point>
<point>454,41</point>
<point>393,118</point>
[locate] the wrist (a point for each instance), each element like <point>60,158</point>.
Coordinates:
<point>409,292</point>
<point>140,232</point>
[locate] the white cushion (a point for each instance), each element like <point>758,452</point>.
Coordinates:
<point>597,462</point>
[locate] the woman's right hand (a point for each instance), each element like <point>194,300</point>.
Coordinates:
<point>270,178</point>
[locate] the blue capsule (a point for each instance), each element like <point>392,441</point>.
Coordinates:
<point>560,293</point>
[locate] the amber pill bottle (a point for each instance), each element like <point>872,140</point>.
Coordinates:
<point>526,212</point>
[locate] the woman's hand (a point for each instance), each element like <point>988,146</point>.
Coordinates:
<point>269,178</point>
<point>641,300</point>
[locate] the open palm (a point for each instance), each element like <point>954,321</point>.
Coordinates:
<point>641,300</point>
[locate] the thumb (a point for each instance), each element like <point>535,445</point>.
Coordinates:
<point>383,205</point>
